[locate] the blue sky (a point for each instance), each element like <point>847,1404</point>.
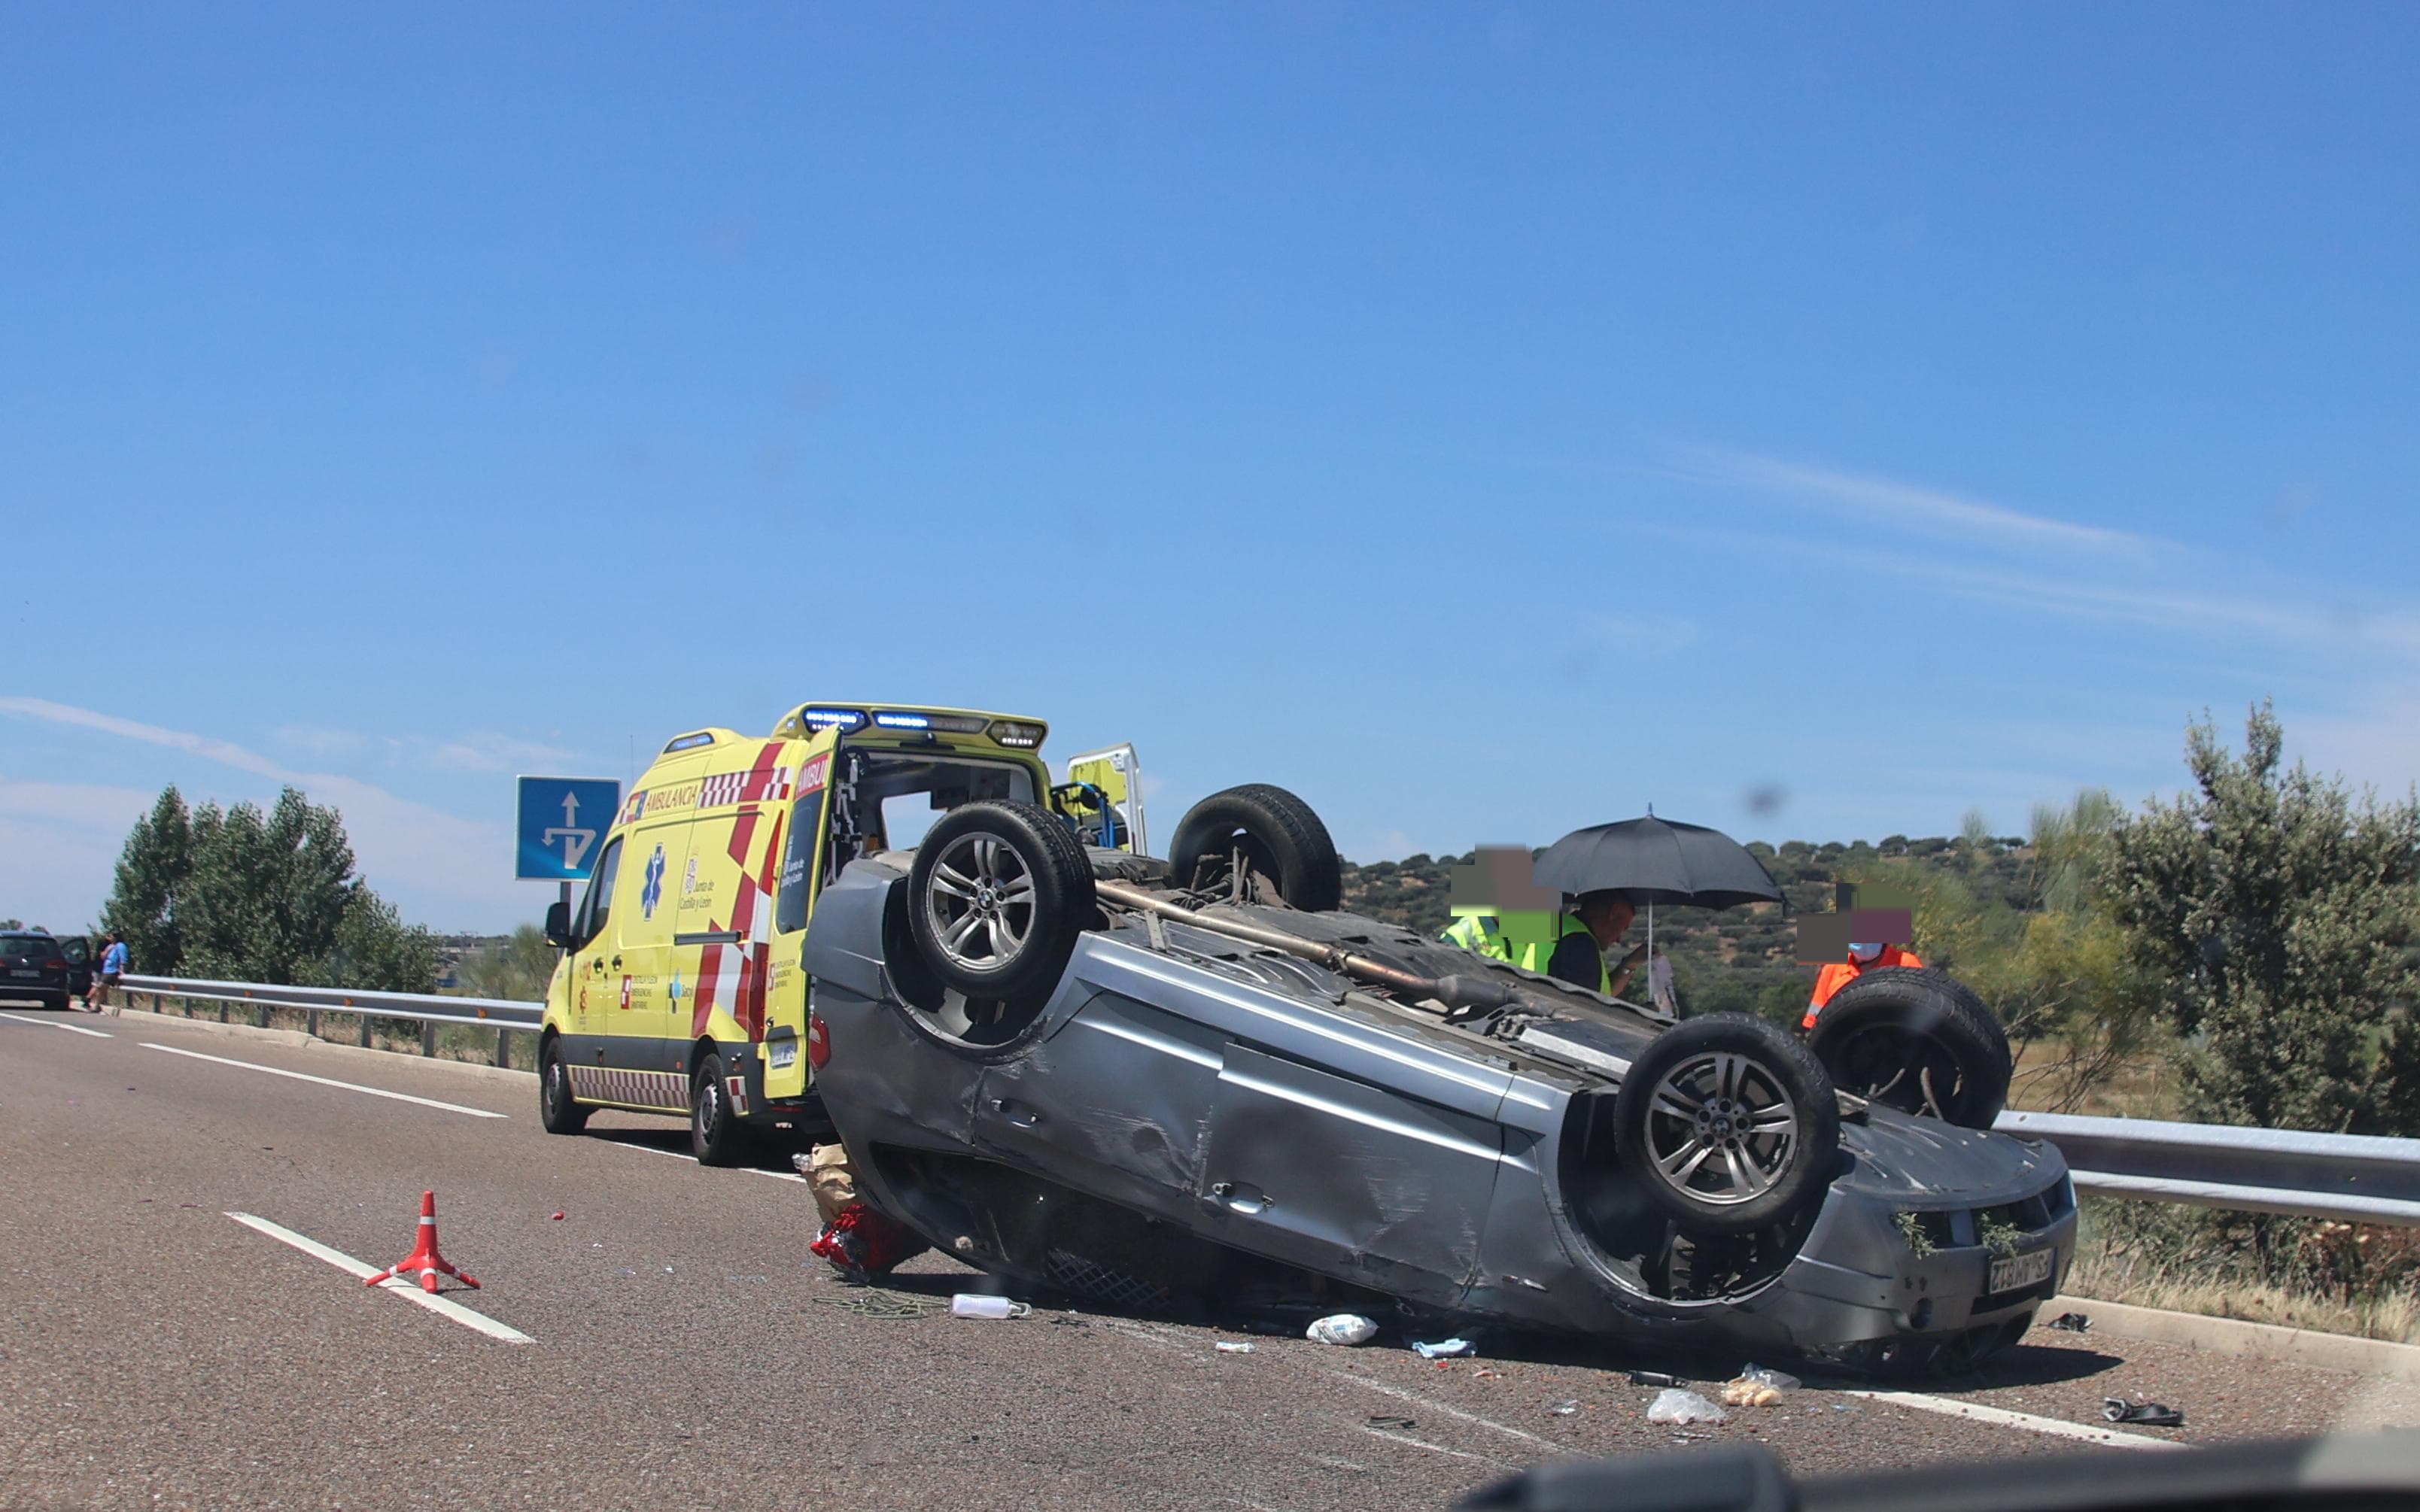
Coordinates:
<point>1485,420</point>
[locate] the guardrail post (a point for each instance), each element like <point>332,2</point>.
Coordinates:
<point>223,1011</point>
<point>428,1036</point>
<point>311,1022</point>
<point>263,1022</point>
<point>365,1031</point>
<point>504,1053</point>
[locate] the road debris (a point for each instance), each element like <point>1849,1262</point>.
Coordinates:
<point>1234,1347</point>
<point>2070,1324</point>
<point>880,1302</point>
<point>1394,1424</point>
<point>1341,1328</point>
<point>1756,1387</point>
<point>2151,1414</point>
<point>978,1304</point>
<point>1564,1409</point>
<point>558,1216</point>
<point>1442,1349</point>
<point>1652,1378</point>
<point>1673,1405</point>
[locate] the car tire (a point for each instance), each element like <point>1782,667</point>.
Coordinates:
<point>1277,836</point>
<point>1728,1125</point>
<point>715,1135</point>
<point>1917,1039</point>
<point>557,1112</point>
<point>997,895</point>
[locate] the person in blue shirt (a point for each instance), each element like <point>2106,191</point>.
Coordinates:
<point>113,966</point>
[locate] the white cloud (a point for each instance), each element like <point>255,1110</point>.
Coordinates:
<point>1909,505</point>
<point>437,867</point>
<point>495,753</point>
<point>320,741</point>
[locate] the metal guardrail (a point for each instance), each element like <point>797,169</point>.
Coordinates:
<point>2355,1177</point>
<point>500,1014</point>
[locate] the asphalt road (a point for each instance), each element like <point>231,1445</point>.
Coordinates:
<point>687,1350</point>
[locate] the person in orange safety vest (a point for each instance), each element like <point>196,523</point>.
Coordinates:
<point>1839,973</point>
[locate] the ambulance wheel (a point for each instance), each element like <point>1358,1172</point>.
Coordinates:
<point>1728,1125</point>
<point>1917,1039</point>
<point>996,899</point>
<point>557,1112</point>
<point>715,1137</point>
<point>1267,831</point>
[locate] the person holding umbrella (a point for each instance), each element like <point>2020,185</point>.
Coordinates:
<point>1595,925</point>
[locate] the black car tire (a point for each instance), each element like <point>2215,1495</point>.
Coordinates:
<point>997,895</point>
<point>1279,837</point>
<point>1739,1096</point>
<point>715,1137</point>
<point>1917,1039</point>
<point>557,1114</point>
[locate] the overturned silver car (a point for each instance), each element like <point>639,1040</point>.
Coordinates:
<point>1140,1081</point>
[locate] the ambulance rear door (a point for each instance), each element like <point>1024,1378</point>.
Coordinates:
<point>787,1071</point>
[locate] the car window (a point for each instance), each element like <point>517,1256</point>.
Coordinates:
<point>598,906</point>
<point>28,948</point>
<point>77,950</point>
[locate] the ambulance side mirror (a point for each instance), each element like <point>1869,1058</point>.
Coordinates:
<point>558,924</point>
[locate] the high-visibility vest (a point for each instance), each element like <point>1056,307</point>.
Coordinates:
<point>1541,956</point>
<point>1479,933</point>
<point>1840,973</point>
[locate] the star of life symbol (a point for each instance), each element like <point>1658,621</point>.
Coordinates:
<point>653,891</point>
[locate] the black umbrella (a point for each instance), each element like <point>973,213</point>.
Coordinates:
<point>1653,861</point>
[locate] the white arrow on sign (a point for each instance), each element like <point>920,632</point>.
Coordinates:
<point>575,841</point>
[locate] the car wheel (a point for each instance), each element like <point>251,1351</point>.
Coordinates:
<point>715,1137</point>
<point>1917,1040</point>
<point>1261,829</point>
<point>1728,1125</point>
<point>556,1112</point>
<point>997,895</point>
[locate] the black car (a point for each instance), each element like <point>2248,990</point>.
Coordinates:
<point>33,969</point>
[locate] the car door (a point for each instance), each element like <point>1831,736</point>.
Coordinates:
<point>78,951</point>
<point>643,970</point>
<point>1325,1170</point>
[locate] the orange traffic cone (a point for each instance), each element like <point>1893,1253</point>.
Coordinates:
<point>424,1260</point>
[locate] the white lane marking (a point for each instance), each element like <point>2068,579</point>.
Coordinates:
<point>59,1024</point>
<point>676,1154</point>
<point>1401,1394</point>
<point>443,1306</point>
<point>1432,1448</point>
<point>2001,1417</point>
<point>324,1081</point>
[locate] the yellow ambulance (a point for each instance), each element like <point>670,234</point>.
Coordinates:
<point>680,991</point>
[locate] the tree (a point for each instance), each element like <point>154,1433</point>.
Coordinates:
<point>152,870</point>
<point>2271,910</point>
<point>516,970</point>
<point>251,896</point>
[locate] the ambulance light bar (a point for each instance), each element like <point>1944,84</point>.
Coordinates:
<point>1016,734</point>
<point>831,718</point>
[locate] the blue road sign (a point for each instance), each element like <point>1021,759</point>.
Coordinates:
<point>562,819</point>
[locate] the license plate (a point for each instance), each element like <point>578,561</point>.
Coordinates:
<point>2027,1269</point>
<point>19,972</point>
<point>782,1054</point>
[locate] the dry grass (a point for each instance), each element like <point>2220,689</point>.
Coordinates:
<point>2144,1086</point>
<point>2394,1317</point>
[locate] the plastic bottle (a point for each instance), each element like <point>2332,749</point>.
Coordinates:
<point>975,1304</point>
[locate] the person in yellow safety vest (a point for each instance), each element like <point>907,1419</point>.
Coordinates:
<point>1839,973</point>
<point>1480,933</point>
<point>1576,954</point>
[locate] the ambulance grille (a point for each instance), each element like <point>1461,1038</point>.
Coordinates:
<point>1094,1282</point>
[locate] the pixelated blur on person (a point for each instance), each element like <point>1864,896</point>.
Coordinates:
<point>1877,919</point>
<point>1499,909</point>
